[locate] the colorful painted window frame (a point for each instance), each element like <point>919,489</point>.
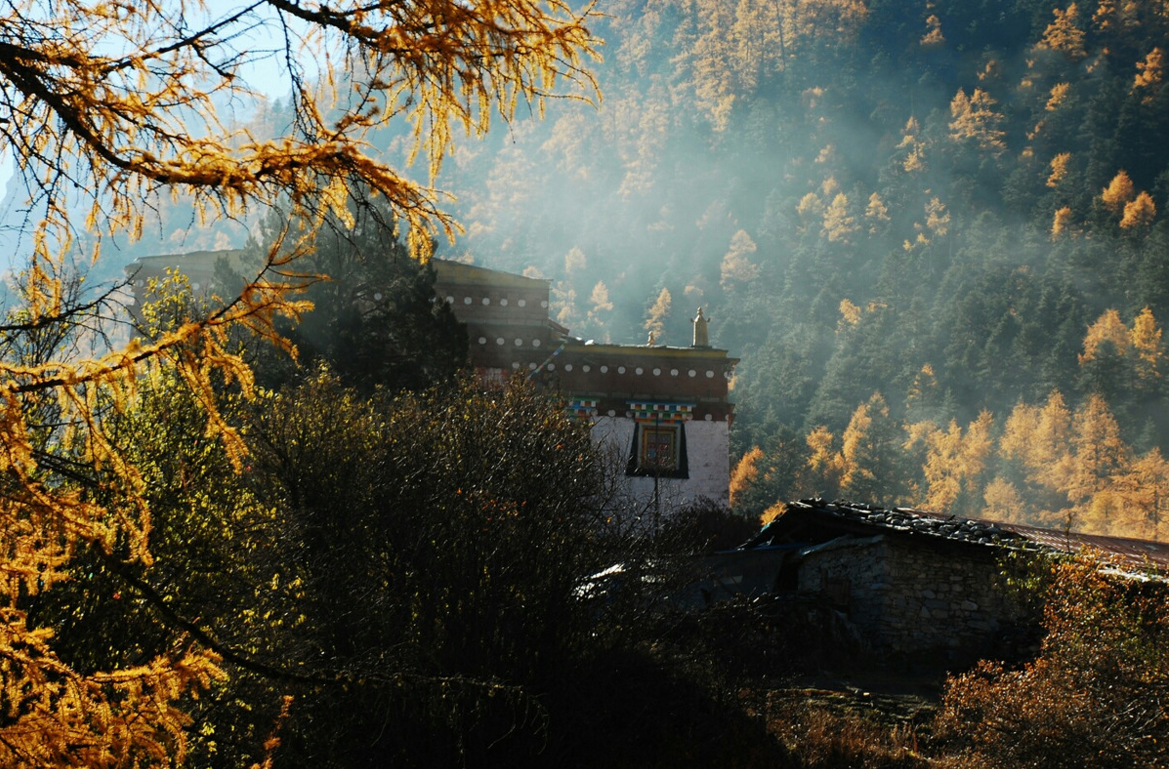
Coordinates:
<point>658,450</point>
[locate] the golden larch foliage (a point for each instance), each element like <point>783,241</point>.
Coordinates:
<point>1022,422</point>
<point>852,444</point>
<point>937,218</point>
<point>810,23</point>
<point>933,35</point>
<point>1147,343</point>
<point>850,315</point>
<point>923,389</point>
<point>1059,94</point>
<point>839,223</point>
<point>655,323</point>
<point>1099,452</point>
<point>1118,192</point>
<point>563,303</point>
<point>736,268</point>
<point>772,513</point>
<point>1059,168</point>
<point>940,469</point>
<point>955,460</point>
<point>1103,17</point>
<point>876,212</point>
<point>990,72</point>
<point>826,464</point>
<point>1149,73</point>
<point>760,35</point>
<point>937,224</point>
<point>745,474</point>
<point>1139,212</point>
<point>1063,34</point>
<point>810,208</point>
<point>1143,489</point>
<point>1061,222</point>
<point>860,446</point>
<point>1039,438</point>
<point>1003,502</point>
<point>914,161</point>
<point>712,66</point>
<point>599,298</point>
<point>118,103</point>
<point>1107,328</point>
<point>975,118</point>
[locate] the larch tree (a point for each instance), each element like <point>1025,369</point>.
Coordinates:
<point>1059,95</point>
<point>1100,457</point>
<point>106,107</point>
<point>877,213</point>
<point>839,223</point>
<point>955,463</point>
<point>1149,74</point>
<point>1002,501</point>
<point>1139,212</point>
<point>913,146</point>
<point>745,474</point>
<point>659,311</point>
<point>975,118</point>
<point>1059,169</point>
<point>1118,192</point>
<point>825,464</point>
<point>737,268</point>
<point>1063,34</point>
<point>1149,348</point>
<point>1061,222</point>
<point>868,454</point>
<point>1108,333</point>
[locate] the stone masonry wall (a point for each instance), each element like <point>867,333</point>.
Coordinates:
<point>906,598</point>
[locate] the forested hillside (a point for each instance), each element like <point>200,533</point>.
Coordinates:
<point>934,233</point>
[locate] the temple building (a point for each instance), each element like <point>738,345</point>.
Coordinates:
<point>660,413</point>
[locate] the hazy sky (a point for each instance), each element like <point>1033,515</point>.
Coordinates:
<point>261,69</point>
<point>259,41</point>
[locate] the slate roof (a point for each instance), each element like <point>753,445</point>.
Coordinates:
<point>908,522</point>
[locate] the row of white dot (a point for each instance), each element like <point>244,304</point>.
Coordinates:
<point>502,302</point>
<point>629,414</point>
<point>586,368</point>
<point>518,342</point>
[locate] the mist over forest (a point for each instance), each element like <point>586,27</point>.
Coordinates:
<point>933,232</point>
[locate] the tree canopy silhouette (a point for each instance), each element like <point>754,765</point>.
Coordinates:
<point>108,106</point>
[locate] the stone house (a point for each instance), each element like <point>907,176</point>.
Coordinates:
<point>911,582</point>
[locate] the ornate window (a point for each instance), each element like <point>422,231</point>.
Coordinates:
<point>659,440</point>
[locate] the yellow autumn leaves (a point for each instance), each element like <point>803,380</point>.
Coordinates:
<point>1046,464</point>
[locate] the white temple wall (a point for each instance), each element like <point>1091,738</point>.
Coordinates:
<point>708,460</point>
